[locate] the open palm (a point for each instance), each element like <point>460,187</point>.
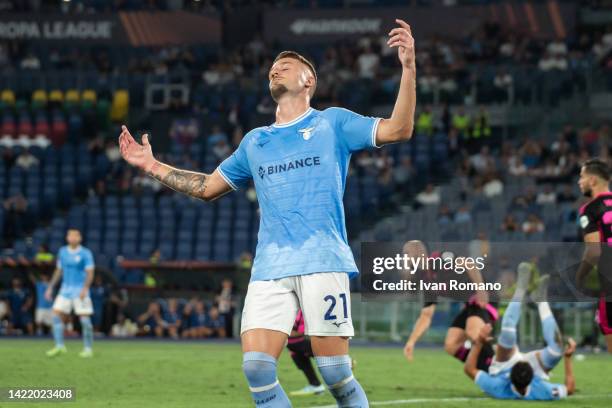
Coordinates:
<point>138,155</point>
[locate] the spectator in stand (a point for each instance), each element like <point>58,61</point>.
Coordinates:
<point>492,185</point>
<point>567,195</point>
<point>15,216</point>
<point>403,174</point>
<point>482,162</point>
<point>151,323</point>
<point>463,215</point>
<point>197,321</point>
<point>547,195</point>
<point>589,139</point>
<point>124,327</point>
<point>43,315</point>
<point>227,305</point>
<point>429,196</point>
<point>98,293</point>
<point>43,255</point>
<point>367,63</point>
<point>221,150</point>
<point>20,301</point>
<point>532,225</point>
<point>461,122</point>
<point>445,215</point>
<point>215,324</point>
<point>30,62</point>
<point>4,316</point>
<point>27,160</point>
<point>509,224</point>
<point>503,82</point>
<point>425,122</point>
<point>172,319</point>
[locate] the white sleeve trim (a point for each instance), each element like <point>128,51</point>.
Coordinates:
<point>374,130</point>
<point>477,375</point>
<point>227,180</point>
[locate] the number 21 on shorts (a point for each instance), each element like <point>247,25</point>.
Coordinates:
<point>329,315</point>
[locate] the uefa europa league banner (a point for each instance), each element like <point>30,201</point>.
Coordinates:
<point>138,29</point>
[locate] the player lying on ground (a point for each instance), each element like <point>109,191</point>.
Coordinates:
<point>514,375</point>
<point>465,326</point>
<point>596,225</point>
<point>301,352</point>
<point>75,266</point>
<point>299,166</point>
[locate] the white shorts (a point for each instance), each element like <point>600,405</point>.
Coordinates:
<point>43,316</point>
<point>325,300</point>
<point>81,307</point>
<point>531,357</point>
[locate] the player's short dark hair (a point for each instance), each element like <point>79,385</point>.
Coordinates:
<point>297,56</point>
<point>597,167</point>
<point>521,375</point>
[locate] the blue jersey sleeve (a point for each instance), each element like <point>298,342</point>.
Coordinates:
<point>89,260</point>
<point>553,391</point>
<point>491,385</point>
<point>235,169</point>
<point>356,132</point>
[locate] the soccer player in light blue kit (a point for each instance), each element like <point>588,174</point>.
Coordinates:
<point>514,375</point>
<point>299,166</point>
<point>75,266</point>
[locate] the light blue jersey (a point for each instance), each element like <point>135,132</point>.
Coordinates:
<point>499,386</point>
<point>299,170</point>
<point>73,264</point>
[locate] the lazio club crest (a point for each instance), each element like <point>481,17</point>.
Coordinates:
<point>306,132</point>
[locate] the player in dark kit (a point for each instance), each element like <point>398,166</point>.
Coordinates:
<point>596,224</point>
<point>467,324</point>
<point>301,352</point>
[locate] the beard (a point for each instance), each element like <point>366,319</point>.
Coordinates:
<point>587,192</point>
<point>277,91</point>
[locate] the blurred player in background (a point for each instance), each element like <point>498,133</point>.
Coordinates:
<point>514,375</point>
<point>43,314</point>
<point>596,225</point>
<point>299,166</point>
<point>20,303</point>
<point>465,326</point>
<point>75,266</point>
<point>301,352</point>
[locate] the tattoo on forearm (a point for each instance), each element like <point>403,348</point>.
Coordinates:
<point>187,182</point>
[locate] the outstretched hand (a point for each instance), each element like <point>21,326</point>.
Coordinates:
<point>570,348</point>
<point>401,37</point>
<point>138,155</point>
<point>409,351</point>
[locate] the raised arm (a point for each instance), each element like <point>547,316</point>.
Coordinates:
<point>420,327</point>
<point>401,123</point>
<point>206,187</point>
<point>471,363</point>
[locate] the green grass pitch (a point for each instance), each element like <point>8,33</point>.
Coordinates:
<point>166,374</point>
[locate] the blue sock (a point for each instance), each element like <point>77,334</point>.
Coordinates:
<point>87,329</point>
<point>58,331</point>
<point>507,338</point>
<point>551,355</point>
<point>337,374</point>
<point>260,371</point>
